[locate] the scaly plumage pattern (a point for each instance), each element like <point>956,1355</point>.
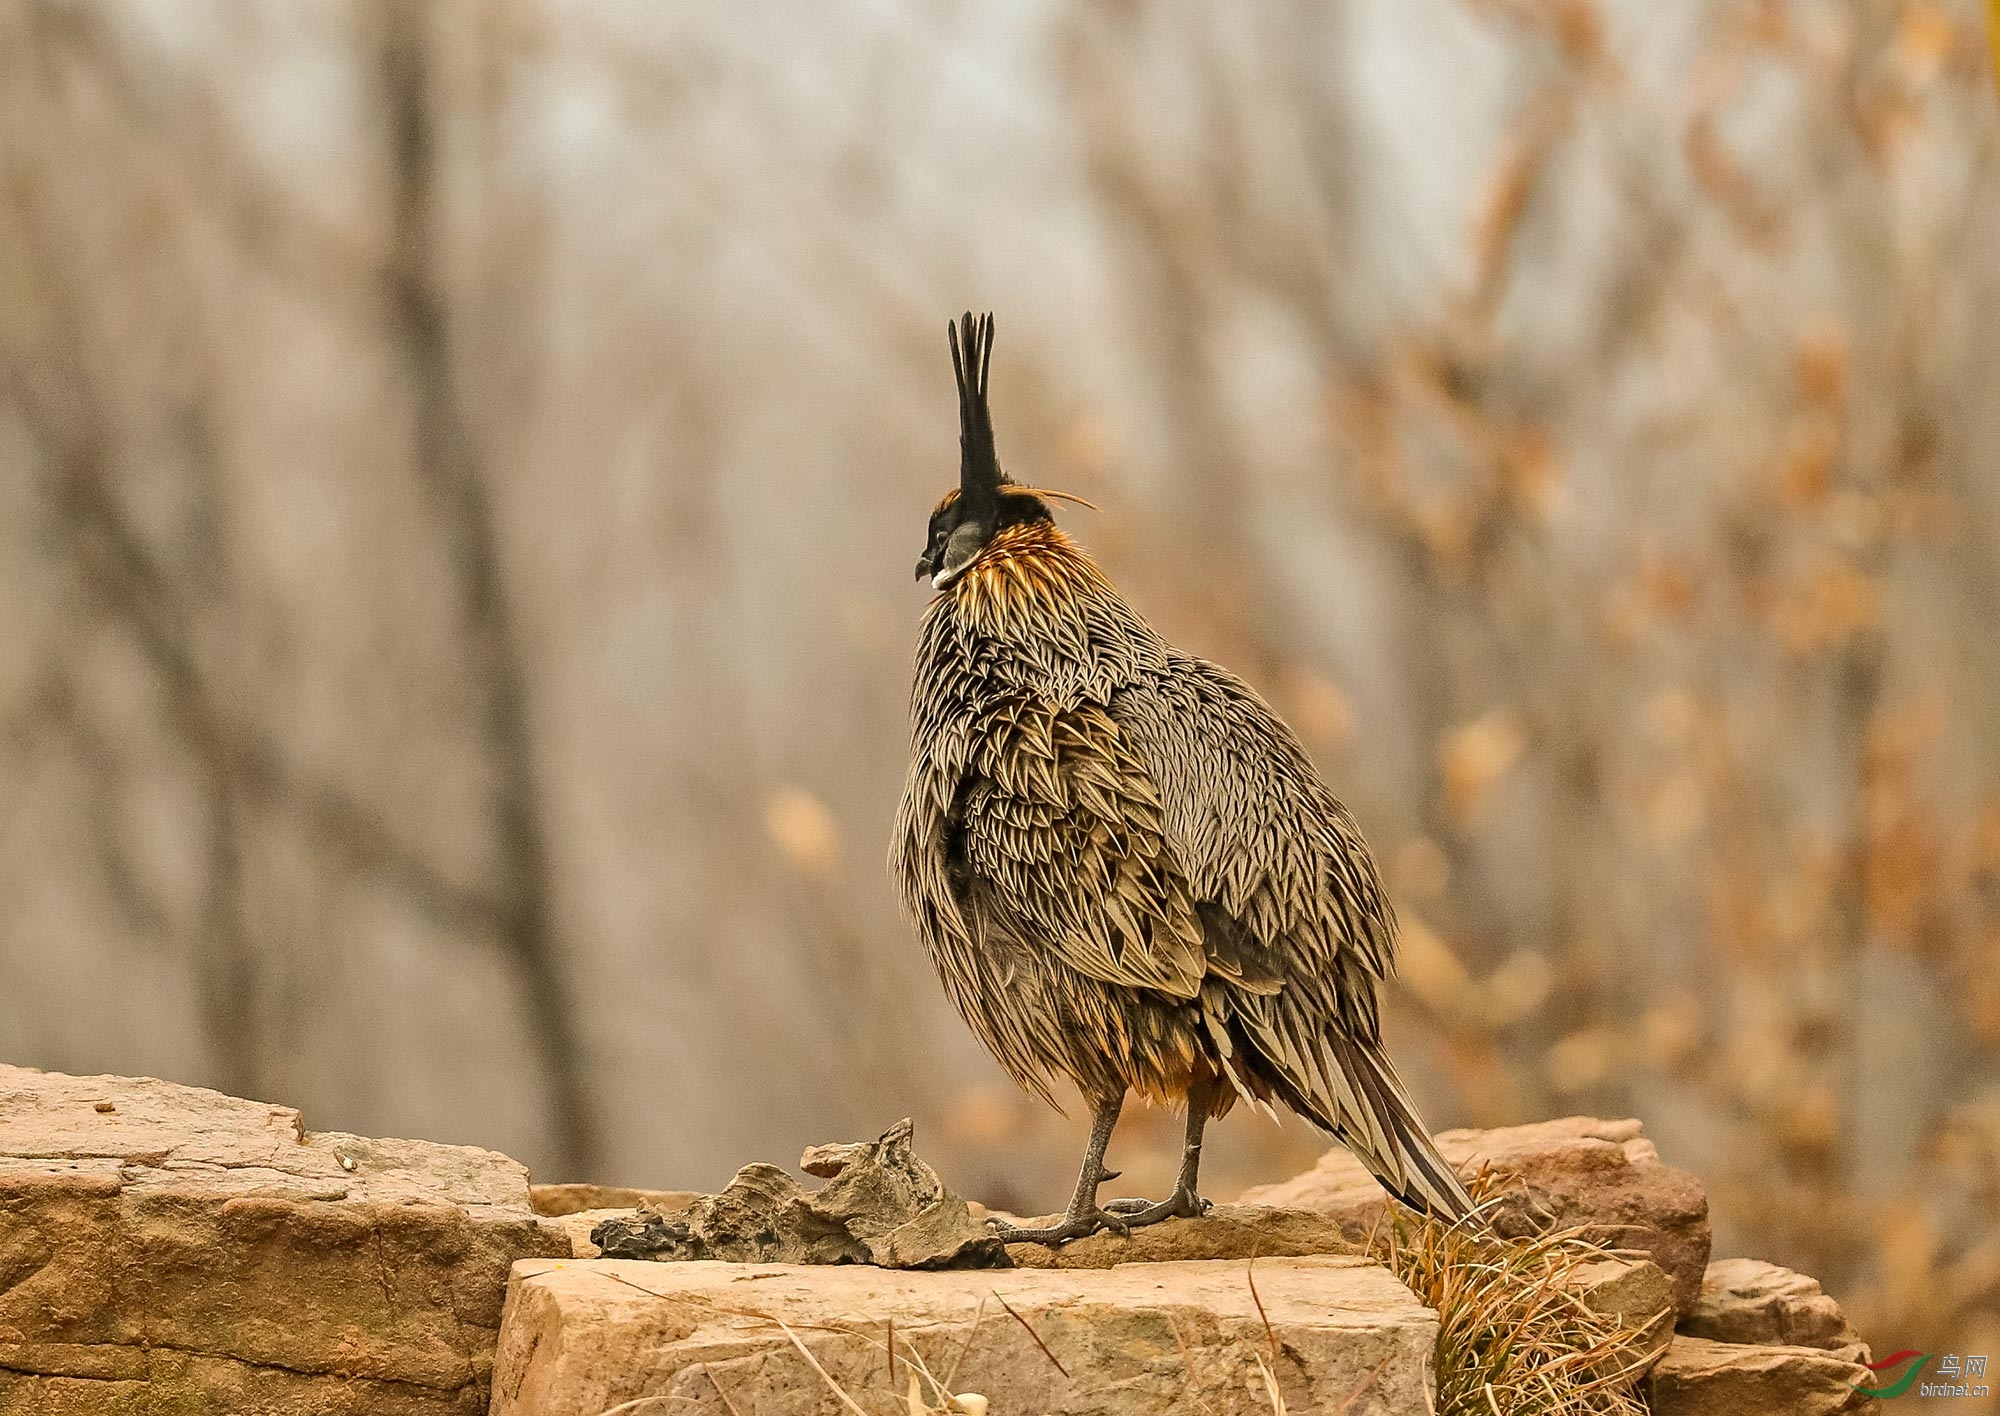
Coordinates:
<point>1122,862</point>
<point>1127,872</point>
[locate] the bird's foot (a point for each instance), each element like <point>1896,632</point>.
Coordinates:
<point>1181,1204</point>
<point>1077,1224</point>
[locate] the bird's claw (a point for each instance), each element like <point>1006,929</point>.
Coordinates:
<point>1076,1225</point>
<point>1180,1205</point>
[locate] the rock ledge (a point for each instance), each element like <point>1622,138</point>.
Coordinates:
<point>168,1248</point>
<point>1136,1340</point>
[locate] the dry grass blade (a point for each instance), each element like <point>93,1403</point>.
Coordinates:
<point>639,1403</point>
<point>1027,1328</point>
<point>620,1278</point>
<point>1189,1364</point>
<point>719,1391</point>
<point>1250,1272</point>
<point>951,1377</point>
<point>1271,1385</point>
<point>943,1399</point>
<point>1361,1386</point>
<point>1513,1336</point>
<point>825,1376</point>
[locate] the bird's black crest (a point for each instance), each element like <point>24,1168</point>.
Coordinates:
<point>979,474</point>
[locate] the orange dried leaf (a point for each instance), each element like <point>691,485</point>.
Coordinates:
<point>1713,166</point>
<point>1580,30</point>
<point>1668,585</point>
<point>1420,870</point>
<point>1582,1060</point>
<point>1317,708</point>
<point>1521,984</point>
<point>1832,606</point>
<point>1820,365</point>
<point>1473,758</point>
<point>1925,39</point>
<point>803,830</point>
<point>1674,808</point>
<point>1993,34</point>
<point>1429,968</point>
<point>1806,474</point>
<point>1532,472</point>
<point>1670,716</point>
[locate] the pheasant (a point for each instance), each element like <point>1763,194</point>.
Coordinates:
<point>1121,861</point>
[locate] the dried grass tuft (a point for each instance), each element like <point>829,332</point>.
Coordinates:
<point>1513,1335</point>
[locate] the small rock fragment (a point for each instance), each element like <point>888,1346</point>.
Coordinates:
<point>883,1205</point>
<point>829,1160</point>
<point>1698,1377</point>
<point>1638,1293</point>
<point>577,1229</point>
<point>645,1235</point>
<point>1750,1301</point>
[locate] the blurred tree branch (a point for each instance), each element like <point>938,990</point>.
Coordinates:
<point>448,460</point>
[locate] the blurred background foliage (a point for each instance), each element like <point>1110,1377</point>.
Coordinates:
<point>461,463</point>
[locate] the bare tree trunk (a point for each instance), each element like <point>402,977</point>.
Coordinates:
<point>449,461</point>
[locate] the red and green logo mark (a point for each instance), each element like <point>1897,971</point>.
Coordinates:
<point>1889,1364</point>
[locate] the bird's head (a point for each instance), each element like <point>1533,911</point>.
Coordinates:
<point>985,502</point>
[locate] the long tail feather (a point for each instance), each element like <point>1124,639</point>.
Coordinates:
<point>1348,1088</point>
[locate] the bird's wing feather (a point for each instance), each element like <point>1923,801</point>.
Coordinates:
<point>1056,839</point>
<point>1281,876</point>
<point>1293,913</point>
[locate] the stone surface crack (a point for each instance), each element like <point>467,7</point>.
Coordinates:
<point>316,1373</point>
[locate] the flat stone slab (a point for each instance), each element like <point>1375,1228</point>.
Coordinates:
<point>168,1248</point>
<point>580,1338</point>
<point>1752,1302</point>
<point>1698,1377</point>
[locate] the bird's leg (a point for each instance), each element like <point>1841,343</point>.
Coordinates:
<point>1186,1201</point>
<point>1083,1216</point>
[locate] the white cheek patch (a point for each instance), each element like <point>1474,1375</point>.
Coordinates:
<point>961,549</point>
